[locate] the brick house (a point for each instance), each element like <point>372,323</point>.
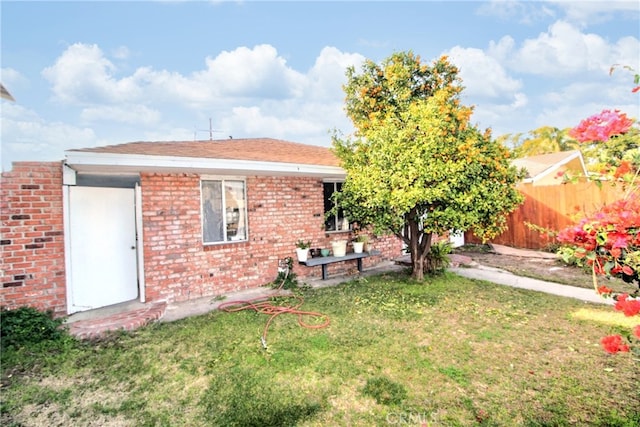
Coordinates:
<point>166,221</point>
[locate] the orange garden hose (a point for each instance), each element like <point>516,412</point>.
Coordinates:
<point>265,305</point>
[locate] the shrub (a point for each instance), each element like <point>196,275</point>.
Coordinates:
<point>438,259</point>
<point>286,278</point>
<point>27,326</point>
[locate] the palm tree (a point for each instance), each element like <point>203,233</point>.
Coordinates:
<point>544,140</point>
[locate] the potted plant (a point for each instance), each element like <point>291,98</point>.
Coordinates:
<point>302,250</point>
<point>358,243</point>
<point>339,248</point>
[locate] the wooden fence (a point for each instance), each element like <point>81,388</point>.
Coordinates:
<point>551,207</point>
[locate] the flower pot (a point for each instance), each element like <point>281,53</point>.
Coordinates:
<point>302,254</point>
<point>339,247</point>
<point>358,247</point>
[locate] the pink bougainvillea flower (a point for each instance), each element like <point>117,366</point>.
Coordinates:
<point>620,301</point>
<point>613,344</point>
<point>624,168</point>
<point>619,240</point>
<point>630,307</point>
<point>616,253</point>
<point>636,331</point>
<point>603,290</point>
<point>601,127</point>
<point>627,270</point>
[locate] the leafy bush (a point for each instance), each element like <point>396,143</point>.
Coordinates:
<point>438,259</point>
<point>286,278</point>
<point>27,326</point>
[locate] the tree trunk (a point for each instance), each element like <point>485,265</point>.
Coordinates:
<point>419,244</point>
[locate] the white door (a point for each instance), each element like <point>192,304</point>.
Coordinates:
<point>102,245</point>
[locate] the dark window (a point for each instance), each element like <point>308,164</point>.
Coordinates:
<point>333,222</point>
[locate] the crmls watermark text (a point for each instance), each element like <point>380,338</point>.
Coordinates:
<point>422,419</point>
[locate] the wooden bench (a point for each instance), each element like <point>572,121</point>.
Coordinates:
<point>324,261</point>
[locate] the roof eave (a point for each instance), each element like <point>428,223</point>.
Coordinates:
<point>92,162</point>
<point>554,167</point>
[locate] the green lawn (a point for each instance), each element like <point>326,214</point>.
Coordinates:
<point>447,352</point>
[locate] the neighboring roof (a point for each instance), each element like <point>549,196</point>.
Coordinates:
<point>4,93</point>
<point>544,164</point>
<point>251,155</point>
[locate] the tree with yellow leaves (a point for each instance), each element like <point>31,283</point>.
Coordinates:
<point>415,166</point>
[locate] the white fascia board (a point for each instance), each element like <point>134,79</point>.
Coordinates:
<point>545,172</point>
<point>111,162</point>
<point>563,162</point>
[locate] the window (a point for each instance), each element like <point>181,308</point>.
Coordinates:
<point>224,211</point>
<point>333,222</point>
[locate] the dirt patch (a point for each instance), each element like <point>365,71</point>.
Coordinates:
<point>537,265</point>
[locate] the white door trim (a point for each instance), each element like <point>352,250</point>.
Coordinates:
<point>139,244</point>
<point>73,304</point>
<point>67,246</point>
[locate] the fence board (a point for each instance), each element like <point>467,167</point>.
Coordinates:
<point>551,207</point>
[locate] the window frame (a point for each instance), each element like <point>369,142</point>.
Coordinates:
<point>242,214</point>
<point>336,218</point>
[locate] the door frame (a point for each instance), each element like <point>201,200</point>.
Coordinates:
<point>66,207</point>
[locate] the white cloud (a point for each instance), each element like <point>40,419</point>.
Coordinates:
<point>579,12</point>
<point>482,75</point>
<point>253,92</point>
<point>121,52</point>
<point>586,12</point>
<point>258,72</point>
<point>514,10</point>
<point>82,75</point>
<point>502,117</point>
<point>26,136</point>
<point>502,49</point>
<point>172,87</point>
<point>564,50</point>
<point>132,114</point>
<point>304,122</point>
<point>328,73</point>
<point>580,100</point>
<point>250,92</point>
<point>10,77</point>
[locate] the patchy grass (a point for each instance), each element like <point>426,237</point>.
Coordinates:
<point>447,352</point>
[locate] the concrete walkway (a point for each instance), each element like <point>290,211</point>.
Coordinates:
<point>503,277</point>
<point>180,310</point>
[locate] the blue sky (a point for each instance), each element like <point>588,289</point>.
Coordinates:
<point>93,73</point>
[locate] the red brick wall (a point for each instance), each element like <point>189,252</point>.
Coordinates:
<point>281,210</point>
<point>178,267</point>
<point>32,237</point>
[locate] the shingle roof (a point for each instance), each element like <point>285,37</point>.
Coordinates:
<point>544,163</point>
<point>249,149</point>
